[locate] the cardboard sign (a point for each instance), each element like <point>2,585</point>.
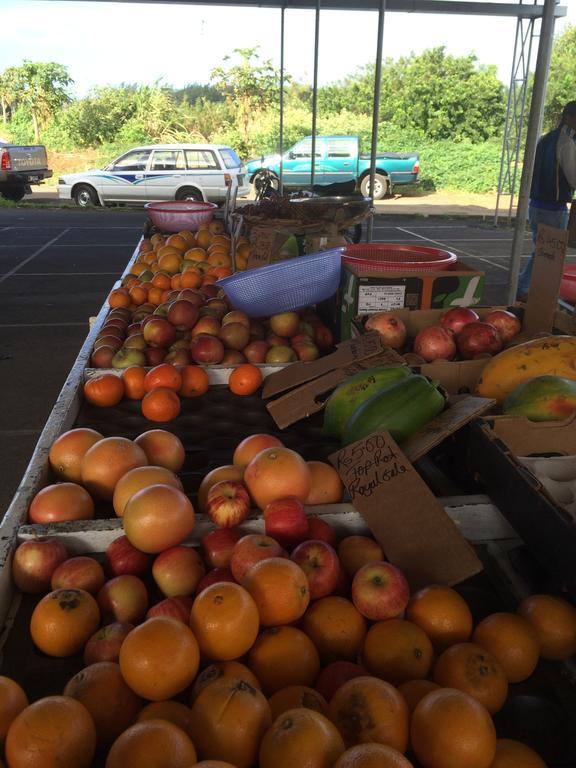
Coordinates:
<point>551,246</point>
<point>405,517</point>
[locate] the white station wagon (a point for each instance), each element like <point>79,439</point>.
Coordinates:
<point>159,172</point>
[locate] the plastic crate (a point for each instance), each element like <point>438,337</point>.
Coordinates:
<point>369,258</point>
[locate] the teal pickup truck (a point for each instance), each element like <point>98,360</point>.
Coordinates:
<point>337,159</point>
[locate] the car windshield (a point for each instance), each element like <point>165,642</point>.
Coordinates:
<point>231,159</point>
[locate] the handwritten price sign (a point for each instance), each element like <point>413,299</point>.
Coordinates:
<point>369,464</point>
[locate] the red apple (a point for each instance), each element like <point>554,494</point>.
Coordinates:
<point>123,599</point>
<point>455,319</point>
<point>178,570</point>
<point>251,549</point>
<point>286,521</point>
<point>178,357</point>
<point>218,545</point>
<point>218,306</point>
<point>236,317</point>
<point>116,322</point>
<point>305,348</point>
<point>182,314</point>
<point>323,338</point>
<point>104,645</point>
<point>391,328</point>
<point>342,588</point>
<point>336,674</point>
<point>257,331</point>
<point>255,352</point>
<point>142,312</point>
<point>285,324</point>
<point>108,341</point>
<point>159,332</point>
<point>79,573</point>
<point>133,329</point>
<point>435,343</point>
<point>191,295</point>
<point>215,576</point>
<point>210,291</point>
<point>208,349</point>
<point>154,356</point>
<point>380,591</point>
<point>136,341</point>
<point>356,551</point>
<point>34,563</point>
<point>233,357</point>
<point>228,503</point>
<point>320,563</point>
<point>178,607</point>
<point>102,357</point>
<point>477,339</point>
<point>277,355</point>
<point>277,341</point>
<point>206,325</point>
<point>126,357</point>
<point>234,335</point>
<point>122,558</point>
<point>506,323</point>
<point>160,311</point>
<point>320,529</point>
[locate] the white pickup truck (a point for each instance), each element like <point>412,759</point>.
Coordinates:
<point>20,167</point>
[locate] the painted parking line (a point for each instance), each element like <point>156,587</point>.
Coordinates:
<point>460,250</point>
<point>33,256</point>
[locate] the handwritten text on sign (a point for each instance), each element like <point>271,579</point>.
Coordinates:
<point>367,465</point>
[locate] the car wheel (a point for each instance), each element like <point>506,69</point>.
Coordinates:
<point>189,193</point>
<point>85,196</point>
<point>381,186</point>
<point>14,193</point>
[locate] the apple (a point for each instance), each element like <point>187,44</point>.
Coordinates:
<point>257,331</point>
<point>116,322</point>
<point>122,558</point>
<point>191,295</point>
<point>323,338</point>
<point>251,549</point>
<point>123,599</point>
<point>160,311</point>
<point>228,503</point>
<point>506,323</point>
<point>102,357</point>
<point>133,329</point>
<point>178,357</point>
<point>154,356</point>
<point>206,325</point>
<point>108,341</point>
<point>233,357</point>
<point>277,355</point>
<point>342,588</point>
<point>286,521</point>
<point>126,357</point>
<point>178,570</point>
<point>285,324</point>
<point>143,311</point>
<point>320,529</point>
<point>34,563</point>
<point>336,674</point>
<point>305,348</point>
<point>356,551</point>
<point>210,291</point>
<point>159,332</point>
<point>183,314</point>
<point>255,351</point>
<point>234,335</point>
<point>391,328</point>
<point>455,319</point>
<point>320,563</point>
<point>218,307</point>
<point>435,343</point>
<point>178,607</point>
<point>215,576</point>
<point>136,341</point>
<point>217,546</point>
<point>79,573</point>
<point>478,339</point>
<point>236,317</point>
<point>181,343</point>
<point>208,349</point>
<point>276,341</point>
<point>104,645</point>
<point>380,591</point>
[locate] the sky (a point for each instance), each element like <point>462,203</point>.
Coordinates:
<point>111,43</point>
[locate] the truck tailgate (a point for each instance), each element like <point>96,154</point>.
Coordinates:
<point>26,159</point>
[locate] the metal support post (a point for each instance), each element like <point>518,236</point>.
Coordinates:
<point>281,137</point>
<point>376,109</point>
<point>315,94</point>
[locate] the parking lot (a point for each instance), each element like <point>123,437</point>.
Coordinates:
<point>58,265</point>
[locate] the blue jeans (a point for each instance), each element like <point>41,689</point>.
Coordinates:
<point>557,219</point>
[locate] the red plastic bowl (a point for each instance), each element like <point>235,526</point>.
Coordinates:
<point>368,258</point>
<point>176,215</point>
<point>568,285</point>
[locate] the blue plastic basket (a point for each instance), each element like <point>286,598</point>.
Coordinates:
<point>285,286</point>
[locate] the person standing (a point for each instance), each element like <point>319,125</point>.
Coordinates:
<point>553,184</point>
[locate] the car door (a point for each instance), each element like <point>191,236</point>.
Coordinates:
<point>339,163</point>
<point>124,179</point>
<point>165,173</point>
<point>204,170</point>
<point>296,164</point>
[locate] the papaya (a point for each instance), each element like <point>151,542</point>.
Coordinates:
<point>401,409</point>
<point>351,393</point>
<point>544,398</point>
<point>551,355</point>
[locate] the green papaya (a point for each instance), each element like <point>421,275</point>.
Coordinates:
<point>351,393</point>
<point>543,398</point>
<point>401,409</point>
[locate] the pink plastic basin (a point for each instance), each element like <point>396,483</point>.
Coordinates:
<point>176,215</point>
<point>568,285</point>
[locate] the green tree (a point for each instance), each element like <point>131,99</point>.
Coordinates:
<point>561,78</point>
<point>43,88</point>
<point>8,91</point>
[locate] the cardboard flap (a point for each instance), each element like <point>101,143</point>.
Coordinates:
<point>346,353</point>
<point>551,245</point>
<point>405,517</point>
<point>526,438</point>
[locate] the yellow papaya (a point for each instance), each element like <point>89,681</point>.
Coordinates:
<point>548,356</point>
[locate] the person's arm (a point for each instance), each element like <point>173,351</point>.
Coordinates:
<point>566,154</point>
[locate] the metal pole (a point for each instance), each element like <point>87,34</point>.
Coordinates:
<point>534,123</point>
<point>281,137</point>
<point>315,94</point>
<point>376,109</point>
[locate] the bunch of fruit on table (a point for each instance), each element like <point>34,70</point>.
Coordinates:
<point>187,327</point>
<point>292,647</point>
<point>460,334</point>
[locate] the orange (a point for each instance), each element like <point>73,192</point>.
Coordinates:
<point>157,240</point>
<point>283,656</point>
<point>245,379</point>
<point>397,650</point>
<point>170,262</point>
<point>472,669</point>
<point>214,764</point>
<point>151,743</point>
<point>119,297</point>
<point>372,756</point>
<point>112,705</point>
<point>173,711</point>
<point>229,718</point>
<point>63,621</point>
<point>195,254</point>
<point>138,295</point>
<point>275,473</point>
<point>450,729</point>
<point>415,690</point>
<point>195,381</point>
<point>336,628</point>
<point>161,404</point>
<point>442,613</point>
<point>366,709</point>
<point>67,451</point>
<point>225,621</point>
<point>513,641</point>
<point>203,238</point>
<point>252,445</point>
<point>104,390</point>
<point>106,461</point>
<point>13,700</point>
<point>133,379</point>
<point>179,242</point>
<point>53,731</point>
<point>161,280</point>
<point>163,375</point>
<point>223,669</point>
<point>176,281</point>
<point>227,472</point>
<point>554,621</point>
<point>137,479</point>
<point>327,488</point>
<point>295,696</point>
<point>280,589</point>
<point>356,551</point>
<point>159,658</point>
<point>191,278</point>
<point>162,448</point>
<point>514,754</point>
<point>158,517</point>
<point>301,737</point>
<point>60,502</point>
